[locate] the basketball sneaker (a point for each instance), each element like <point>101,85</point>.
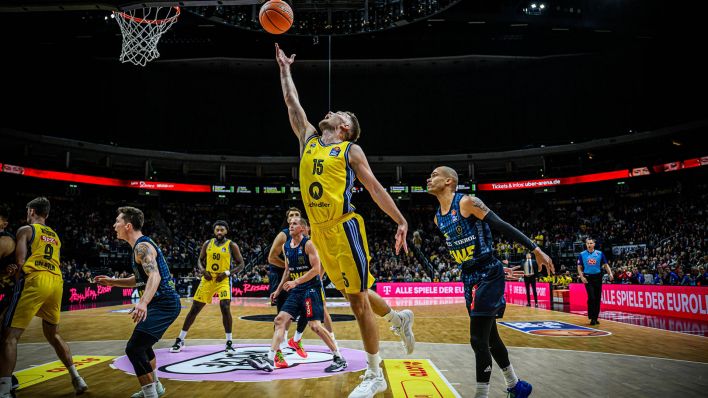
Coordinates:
<point>79,385</point>
<point>280,360</point>
<point>177,346</point>
<point>405,331</point>
<point>371,384</point>
<point>522,389</point>
<point>15,383</point>
<point>261,363</point>
<point>158,387</point>
<point>297,347</point>
<point>338,365</point>
<point>230,350</point>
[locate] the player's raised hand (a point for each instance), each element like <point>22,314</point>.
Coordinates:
<point>401,233</point>
<point>543,259</point>
<point>283,60</point>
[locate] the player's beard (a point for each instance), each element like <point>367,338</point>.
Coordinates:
<point>326,124</point>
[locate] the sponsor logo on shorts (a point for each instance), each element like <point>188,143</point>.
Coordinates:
<point>554,329</point>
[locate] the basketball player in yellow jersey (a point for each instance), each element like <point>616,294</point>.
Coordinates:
<point>37,292</point>
<point>216,266</point>
<point>329,163</point>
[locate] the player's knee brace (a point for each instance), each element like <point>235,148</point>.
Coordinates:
<point>137,352</point>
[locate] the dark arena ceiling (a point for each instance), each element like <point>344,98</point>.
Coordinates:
<point>424,77</point>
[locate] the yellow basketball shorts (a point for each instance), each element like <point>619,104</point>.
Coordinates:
<point>206,289</point>
<point>344,252</point>
<point>37,293</point>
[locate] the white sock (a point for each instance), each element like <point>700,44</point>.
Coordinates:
<point>510,376</point>
<point>228,337</point>
<point>72,371</point>
<point>393,317</point>
<point>5,385</point>
<point>154,377</point>
<point>334,340</point>
<point>149,390</point>
<point>373,361</point>
<point>482,390</point>
<point>271,355</point>
<point>336,353</point>
<point>182,335</point>
<point>297,337</point>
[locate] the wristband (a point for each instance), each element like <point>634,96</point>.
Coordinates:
<point>227,273</point>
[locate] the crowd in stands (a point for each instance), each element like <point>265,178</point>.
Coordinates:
<point>661,236</point>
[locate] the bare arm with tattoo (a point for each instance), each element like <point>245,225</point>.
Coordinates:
<point>146,256</point>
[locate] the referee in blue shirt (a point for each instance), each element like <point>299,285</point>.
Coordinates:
<point>590,264</point>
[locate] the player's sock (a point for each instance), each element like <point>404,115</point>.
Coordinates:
<point>510,376</point>
<point>373,361</point>
<point>482,390</point>
<point>73,372</point>
<point>5,385</point>
<point>271,355</point>
<point>154,377</point>
<point>336,353</point>
<point>149,390</point>
<point>297,337</point>
<point>336,345</point>
<point>182,335</point>
<point>228,337</point>
<point>393,317</point>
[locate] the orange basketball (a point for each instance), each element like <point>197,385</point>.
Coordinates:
<point>276,17</point>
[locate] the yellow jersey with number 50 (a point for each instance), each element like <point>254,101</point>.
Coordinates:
<point>326,180</point>
<point>43,251</point>
<point>218,258</point>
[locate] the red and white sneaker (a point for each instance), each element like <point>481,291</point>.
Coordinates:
<point>297,347</point>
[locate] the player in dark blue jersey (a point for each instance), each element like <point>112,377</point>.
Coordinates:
<point>465,221</point>
<point>275,273</point>
<point>159,303</point>
<point>305,299</point>
<point>8,268</point>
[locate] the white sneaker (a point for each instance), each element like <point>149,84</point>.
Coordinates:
<point>158,387</point>
<point>371,384</point>
<point>79,385</point>
<point>405,331</point>
<point>177,346</point>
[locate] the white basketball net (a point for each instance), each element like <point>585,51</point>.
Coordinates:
<point>142,29</point>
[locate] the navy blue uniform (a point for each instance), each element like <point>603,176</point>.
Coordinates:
<point>306,299</point>
<point>275,274</point>
<point>164,307</point>
<point>7,282</point>
<point>470,243</point>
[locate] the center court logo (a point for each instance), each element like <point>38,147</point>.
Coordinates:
<point>211,363</point>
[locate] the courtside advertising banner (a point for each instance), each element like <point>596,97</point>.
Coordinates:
<point>674,301</point>
<point>515,292</point>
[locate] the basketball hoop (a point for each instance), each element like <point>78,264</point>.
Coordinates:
<point>142,29</point>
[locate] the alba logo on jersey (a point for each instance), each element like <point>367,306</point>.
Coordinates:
<point>316,190</point>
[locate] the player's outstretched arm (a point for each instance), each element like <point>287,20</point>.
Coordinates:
<point>470,205</point>
<point>302,128</point>
<point>358,162</point>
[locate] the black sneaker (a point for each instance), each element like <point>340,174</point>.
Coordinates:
<point>229,350</point>
<point>177,346</point>
<point>338,365</point>
<point>15,383</point>
<point>261,363</point>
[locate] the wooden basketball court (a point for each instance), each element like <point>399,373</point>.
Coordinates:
<point>631,361</point>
